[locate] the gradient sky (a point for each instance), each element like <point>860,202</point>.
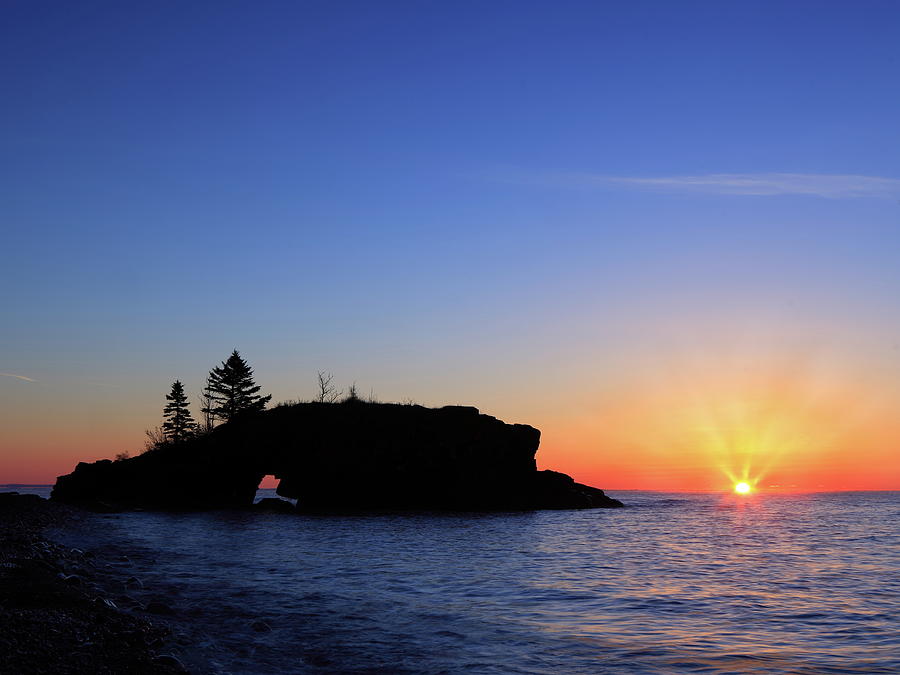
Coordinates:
<point>666,234</point>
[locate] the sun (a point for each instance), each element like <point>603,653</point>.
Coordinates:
<point>742,488</point>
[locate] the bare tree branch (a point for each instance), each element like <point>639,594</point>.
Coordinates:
<point>327,392</point>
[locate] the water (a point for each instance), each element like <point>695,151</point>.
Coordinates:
<point>676,583</point>
<point>27,489</point>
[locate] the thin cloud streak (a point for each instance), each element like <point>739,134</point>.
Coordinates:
<point>829,186</point>
<point>18,377</point>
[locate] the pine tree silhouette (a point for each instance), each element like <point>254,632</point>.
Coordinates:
<point>178,425</point>
<point>232,389</point>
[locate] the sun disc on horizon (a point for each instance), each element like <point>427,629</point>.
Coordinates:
<point>742,488</point>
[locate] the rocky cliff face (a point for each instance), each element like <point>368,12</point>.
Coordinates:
<point>341,456</point>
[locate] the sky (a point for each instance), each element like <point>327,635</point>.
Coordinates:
<point>665,234</point>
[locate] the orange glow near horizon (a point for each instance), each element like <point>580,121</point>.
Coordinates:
<point>707,423</point>
<point>778,425</point>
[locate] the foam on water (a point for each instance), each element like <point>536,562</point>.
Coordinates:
<point>692,583</point>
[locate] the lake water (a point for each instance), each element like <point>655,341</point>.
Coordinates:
<point>675,583</point>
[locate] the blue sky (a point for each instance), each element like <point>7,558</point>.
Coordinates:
<point>435,198</point>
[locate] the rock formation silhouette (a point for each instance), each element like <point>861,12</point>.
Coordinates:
<point>336,456</point>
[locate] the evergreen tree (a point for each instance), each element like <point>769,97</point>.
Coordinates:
<point>178,425</point>
<point>232,389</point>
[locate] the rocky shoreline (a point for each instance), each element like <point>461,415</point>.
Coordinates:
<point>60,610</point>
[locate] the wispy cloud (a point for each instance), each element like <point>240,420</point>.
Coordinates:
<point>769,184</point>
<point>18,377</point>
<point>830,186</point>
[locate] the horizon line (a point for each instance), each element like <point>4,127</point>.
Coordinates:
<point>608,489</point>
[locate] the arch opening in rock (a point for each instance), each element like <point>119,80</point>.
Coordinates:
<point>267,490</point>
<point>268,483</point>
